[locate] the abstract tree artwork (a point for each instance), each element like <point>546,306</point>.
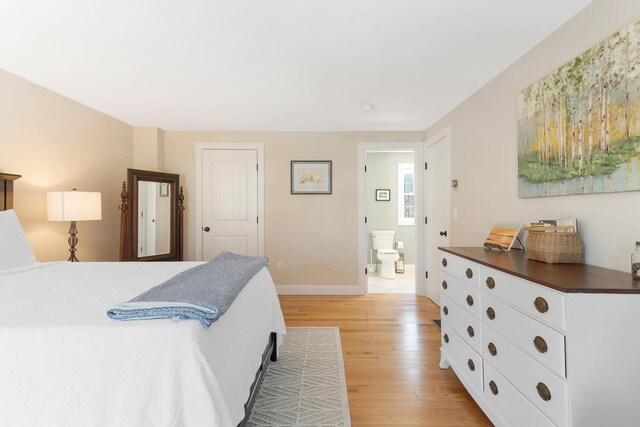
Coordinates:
<point>579,127</point>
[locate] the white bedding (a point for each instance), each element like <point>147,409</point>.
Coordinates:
<point>63,362</point>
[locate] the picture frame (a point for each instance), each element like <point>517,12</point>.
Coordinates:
<point>164,189</point>
<point>503,236</point>
<point>311,176</point>
<point>383,194</point>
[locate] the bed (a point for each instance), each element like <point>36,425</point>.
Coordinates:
<point>63,362</point>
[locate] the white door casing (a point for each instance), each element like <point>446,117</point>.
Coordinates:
<point>437,206</point>
<point>230,205</point>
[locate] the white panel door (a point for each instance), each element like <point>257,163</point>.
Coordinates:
<point>437,207</point>
<point>229,202</point>
<point>146,218</point>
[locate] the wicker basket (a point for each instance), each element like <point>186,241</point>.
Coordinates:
<point>554,248</point>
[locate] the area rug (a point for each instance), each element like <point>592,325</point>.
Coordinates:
<point>306,386</point>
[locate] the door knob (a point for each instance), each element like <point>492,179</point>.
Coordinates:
<point>206,229</point>
<point>443,233</point>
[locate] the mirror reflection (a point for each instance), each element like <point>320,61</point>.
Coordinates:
<point>154,218</point>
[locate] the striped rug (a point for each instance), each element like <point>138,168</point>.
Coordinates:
<point>306,386</point>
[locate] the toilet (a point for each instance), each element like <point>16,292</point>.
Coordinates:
<point>383,243</point>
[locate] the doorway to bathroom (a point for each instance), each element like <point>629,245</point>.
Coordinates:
<point>390,206</point>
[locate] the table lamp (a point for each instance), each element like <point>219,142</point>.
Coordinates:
<point>73,206</point>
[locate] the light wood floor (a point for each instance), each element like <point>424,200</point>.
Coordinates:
<point>391,355</point>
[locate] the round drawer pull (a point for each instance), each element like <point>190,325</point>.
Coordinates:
<point>445,310</point>
<point>446,338</point>
<point>490,283</point>
<point>472,366</point>
<point>469,300</point>
<point>493,387</point>
<point>491,314</point>
<point>541,305</point>
<point>444,262</point>
<point>540,344</point>
<point>444,284</point>
<point>544,392</point>
<point>492,349</point>
<point>469,273</point>
<point>470,331</point>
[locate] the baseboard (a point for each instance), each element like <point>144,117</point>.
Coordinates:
<point>318,290</point>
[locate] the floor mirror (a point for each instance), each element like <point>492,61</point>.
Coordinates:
<point>151,223</point>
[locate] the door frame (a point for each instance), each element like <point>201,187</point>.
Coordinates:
<point>443,134</point>
<point>200,148</point>
<point>381,147</point>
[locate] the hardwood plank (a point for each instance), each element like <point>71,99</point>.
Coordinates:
<point>391,351</point>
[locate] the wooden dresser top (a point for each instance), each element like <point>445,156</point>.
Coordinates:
<point>569,278</point>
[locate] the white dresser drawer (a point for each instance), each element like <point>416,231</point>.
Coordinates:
<point>544,344</point>
<point>466,362</point>
<point>465,325</point>
<point>465,296</point>
<point>541,303</point>
<point>460,268</point>
<point>528,376</point>
<point>512,407</point>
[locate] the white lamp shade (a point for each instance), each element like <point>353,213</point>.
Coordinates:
<point>74,206</point>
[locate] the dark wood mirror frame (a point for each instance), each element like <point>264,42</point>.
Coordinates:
<point>6,190</point>
<point>129,216</point>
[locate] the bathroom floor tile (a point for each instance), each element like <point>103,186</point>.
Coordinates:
<point>403,284</point>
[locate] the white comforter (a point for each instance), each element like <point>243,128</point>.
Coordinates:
<point>63,362</point>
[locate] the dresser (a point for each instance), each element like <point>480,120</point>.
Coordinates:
<point>541,344</point>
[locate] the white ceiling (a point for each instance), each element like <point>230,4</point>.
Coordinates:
<point>272,65</point>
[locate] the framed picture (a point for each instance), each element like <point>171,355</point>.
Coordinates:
<point>311,177</point>
<point>502,236</point>
<point>383,195</point>
<point>164,189</point>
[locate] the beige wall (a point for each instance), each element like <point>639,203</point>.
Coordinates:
<point>315,236</point>
<point>485,150</point>
<point>58,144</point>
<point>148,148</point>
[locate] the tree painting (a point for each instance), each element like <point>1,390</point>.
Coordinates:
<point>579,127</point>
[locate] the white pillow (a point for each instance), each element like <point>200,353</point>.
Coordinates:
<point>15,250</point>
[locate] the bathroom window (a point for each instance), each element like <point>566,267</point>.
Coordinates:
<point>406,194</point>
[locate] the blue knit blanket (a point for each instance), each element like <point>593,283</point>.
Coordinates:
<point>202,293</point>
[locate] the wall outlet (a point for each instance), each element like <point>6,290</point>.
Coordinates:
<point>455,213</point>
<point>280,265</point>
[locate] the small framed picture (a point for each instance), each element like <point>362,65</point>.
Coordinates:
<point>164,189</point>
<point>311,176</point>
<point>383,195</point>
<point>502,236</point>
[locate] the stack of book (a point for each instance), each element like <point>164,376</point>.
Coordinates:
<point>555,225</point>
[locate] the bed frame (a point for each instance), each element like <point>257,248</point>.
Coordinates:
<point>269,355</point>
<point>6,190</point>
